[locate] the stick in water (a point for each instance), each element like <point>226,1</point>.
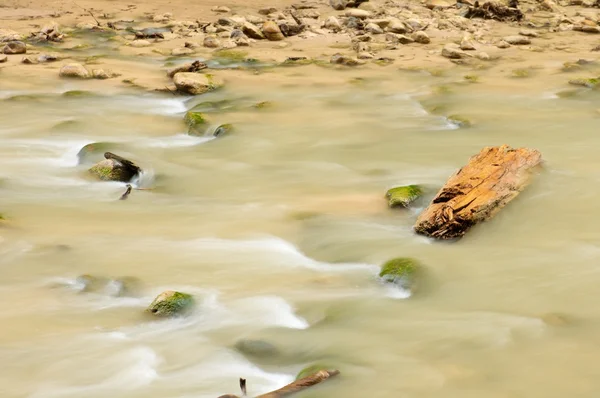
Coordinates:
<point>126,194</point>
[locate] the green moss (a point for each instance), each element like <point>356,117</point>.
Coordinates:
<point>585,82</point>
<point>312,369</point>
<point>171,303</point>
<point>472,78</point>
<point>196,122</point>
<point>222,130</point>
<point>78,93</point>
<point>231,55</point>
<point>460,120</point>
<point>401,271</point>
<point>442,90</point>
<point>520,73</point>
<point>403,196</point>
<point>256,348</point>
<point>263,105</point>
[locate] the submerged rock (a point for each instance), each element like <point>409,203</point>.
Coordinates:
<point>94,150</point>
<point>460,121</point>
<point>171,303</point>
<point>15,47</point>
<point>196,123</point>
<point>340,59</point>
<point>74,70</point>
<point>196,83</point>
<point>401,271</point>
<point>115,168</point>
<point>312,369</point>
<point>223,130</point>
<point>256,348</point>
<point>403,196</point>
<point>585,82</point>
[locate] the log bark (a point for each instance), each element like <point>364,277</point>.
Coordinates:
<point>292,388</point>
<point>476,192</point>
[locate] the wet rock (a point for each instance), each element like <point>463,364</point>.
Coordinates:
<point>357,13</point>
<point>340,59</point>
<point>74,70</point>
<point>221,9</point>
<point>7,35</point>
<point>101,74</point>
<point>252,31</point>
<point>517,40</point>
<point>15,47</point>
<point>271,31</point>
<point>586,29</point>
<point>50,32</point>
<point>585,82</point>
<point>338,4</point>
<point>178,52</point>
<point>403,196</point>
<point>459,120</point>
<point>256,348</point>
<point>421,37</point>
<point>171,303</point>
<point>312,369</point>
<point>49,58</point>
<point>140,43</point>
<point>211,42</point>
<point>439,4</point>
<point>115,168</point>
<point>397,26</point>
<point>91,152</point>
<point>150,33</point>
<point>374,29</point>
<point>3,59</point>
<point>196,123</point>
<point>453,51</point>
<point>223,130</point>
<point>90,283</point>
<point>196,83</point>
<point>401,271</point>
<point>188,67</point>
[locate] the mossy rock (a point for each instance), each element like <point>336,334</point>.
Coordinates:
<point>78,94</point>
<point>590,82</point>
<point>401,271</point>
<point>94,151</point>
<point>256,348</point>
<point>112,170</point>
<point>460,120</point>
<point>196,122</point>
<point>403,196</point>
<point>215,106</point>
<point>222,130</point>
<point>171,303</point>
<point>230,56</point>
<point>312,369</point>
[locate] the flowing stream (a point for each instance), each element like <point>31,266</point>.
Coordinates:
<point>279,229</point>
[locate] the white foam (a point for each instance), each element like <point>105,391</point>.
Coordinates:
<point>176,141</point>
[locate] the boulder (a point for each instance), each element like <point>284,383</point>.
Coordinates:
<point>252,31</point>
<point>477,191</point>
<point>403,196</point>
<point>401,271</point>
<point>74,70</point>
<point>196,123</point>
<point>373,28</point>
<point>171,303</point>
<point>397,26</point>
<point>15,47</point>
<point>272,32</point>
<point>196,83</point>
<point>114,168</point>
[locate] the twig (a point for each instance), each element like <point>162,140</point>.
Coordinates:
<point>126,194</point>
<point>89,12</point>
<point>171,91</point>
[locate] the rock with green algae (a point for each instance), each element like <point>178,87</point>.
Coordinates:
<point>223,130</point>
<point>196,83</point>
<point>91,152</point>
<point>314,368</point>
<point>460,120</point>
<point>114,168</point>
<point>401,271</point>
<point>263,105</point>
<point>171,303</point>
<point>403,196</point>
<point>589,82</point>
<point>256,348</point>
<point>196,122</point>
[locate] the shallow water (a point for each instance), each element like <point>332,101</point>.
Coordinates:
<point>279,229</point>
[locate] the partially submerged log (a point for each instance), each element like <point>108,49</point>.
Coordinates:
<point>475,193</point>
<point>292,388</point>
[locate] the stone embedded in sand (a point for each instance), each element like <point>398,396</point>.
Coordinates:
<point>49,57</point>
<point>74,71</point>
<point>453,51</point>
<point>221,9</point>
<point>477,191</point>
<point>211,42</point>
<point>357,13</point>
<point>338,4</point>
<point>9,35</point>
<point>340,59</point>
<point>30,60</point>
<point>333,24</point>
<point>528,33</point>
<point>15,47</point>
<point>272,32</point>
<point>397,26</point>
<point>439,4</point>
<point>586,29</point>
<point>401,271</point>
<point>252,31</point>
<point>466,44</point>
<point>421,37</point>
<point>101,74</point>
<point>503,44</point>
<point>373,28</point>
<point>171,303</point>
<point>115,168</point>
<point>196,83</point>
<point>178,52</point>
<point>228,44</point>
<point>3,59</point>
<point>403,196</point>
<point>517,40</point>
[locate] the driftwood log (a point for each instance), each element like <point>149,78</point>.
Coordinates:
<point>292,388</point>
<point>490,180</point>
